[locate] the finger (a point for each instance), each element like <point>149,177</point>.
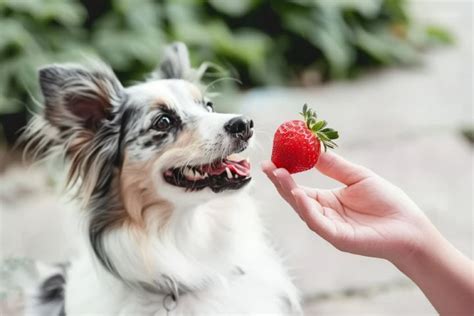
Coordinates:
<point>286,181</point>
<point>269,169</point>
<point>340,169</point>
<point>311,192</point>
<point>312,213</point>
<point>327,198</point>
<point>287,184</point>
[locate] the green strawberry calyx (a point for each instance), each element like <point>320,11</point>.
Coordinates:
<point>325,134</point>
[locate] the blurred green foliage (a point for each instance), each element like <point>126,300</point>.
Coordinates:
<point>263,41</point>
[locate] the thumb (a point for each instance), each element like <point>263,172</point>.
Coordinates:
<point>340,169</point>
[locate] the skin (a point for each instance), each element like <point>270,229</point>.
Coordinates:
<point>370,216</point>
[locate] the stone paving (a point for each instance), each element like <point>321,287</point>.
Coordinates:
<point>402,123</point>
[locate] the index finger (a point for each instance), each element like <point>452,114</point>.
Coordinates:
<point>340,169</point>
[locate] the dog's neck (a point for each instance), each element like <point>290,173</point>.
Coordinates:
<point>155,241</point>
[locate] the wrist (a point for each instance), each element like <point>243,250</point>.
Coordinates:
<point>442,272</point>
<point>428,247</point>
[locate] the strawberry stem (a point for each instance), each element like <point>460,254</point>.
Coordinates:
<point>318,127</point>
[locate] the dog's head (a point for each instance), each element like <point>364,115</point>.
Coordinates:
<point>164,129</point>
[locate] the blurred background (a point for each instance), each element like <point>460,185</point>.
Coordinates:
<point>394,77</point>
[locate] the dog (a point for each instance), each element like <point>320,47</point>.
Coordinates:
<point>167,221</point>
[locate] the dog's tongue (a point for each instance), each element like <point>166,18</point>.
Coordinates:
<point>242,167</point>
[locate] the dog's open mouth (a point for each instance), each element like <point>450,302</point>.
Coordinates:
<point>230,173</point>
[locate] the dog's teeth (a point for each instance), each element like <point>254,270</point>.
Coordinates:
<point>247,160</point>
<point>206,175</point>
<point>233,157</point>
<point>236,175</point>
<point>188,172</point>
<point>229,174</point>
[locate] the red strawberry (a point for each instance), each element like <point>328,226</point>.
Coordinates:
<point>297,144</point>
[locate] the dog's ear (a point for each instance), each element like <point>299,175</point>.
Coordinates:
<point>81,105</point>
<point>75,97</point>
<point>175,63</point>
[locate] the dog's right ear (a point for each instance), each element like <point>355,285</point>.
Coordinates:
<point>76,98</point>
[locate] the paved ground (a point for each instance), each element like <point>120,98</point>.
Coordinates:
<point>403,123</point>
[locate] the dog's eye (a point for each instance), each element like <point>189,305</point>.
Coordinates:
<point>210,106</point>
<point>163,123</point>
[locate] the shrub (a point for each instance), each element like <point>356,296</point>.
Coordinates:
<point>261,41</point>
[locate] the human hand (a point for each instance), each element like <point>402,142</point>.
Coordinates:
<point>368,216</point>
<point>372,217</point>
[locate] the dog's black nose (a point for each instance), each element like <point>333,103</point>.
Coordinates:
<point>240,127</point>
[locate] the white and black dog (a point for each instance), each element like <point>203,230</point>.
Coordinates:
<point>169,226</point>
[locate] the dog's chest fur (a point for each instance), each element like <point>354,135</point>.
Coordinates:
<point>216,252</point>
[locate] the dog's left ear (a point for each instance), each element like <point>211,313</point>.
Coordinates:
<point>175,64</point>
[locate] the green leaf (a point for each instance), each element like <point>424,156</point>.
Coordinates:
<point>325,147</point>
<point>234,8</point>
<point>67,13</point>
<point>438,34</point>
<point>332,135</point>
<point>368,8</point>
<point>332,144</point>
<point>373,45</point>
<point>319,125</point>
<point>323,137</point>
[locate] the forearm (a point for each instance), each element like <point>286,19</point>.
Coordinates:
<point>444,275</point>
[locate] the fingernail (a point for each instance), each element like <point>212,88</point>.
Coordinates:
<point>277,175</point>
<point>278,172</point>
<point>264,167</point>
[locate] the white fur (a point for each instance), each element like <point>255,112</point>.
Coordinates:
<point>200,248</point>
